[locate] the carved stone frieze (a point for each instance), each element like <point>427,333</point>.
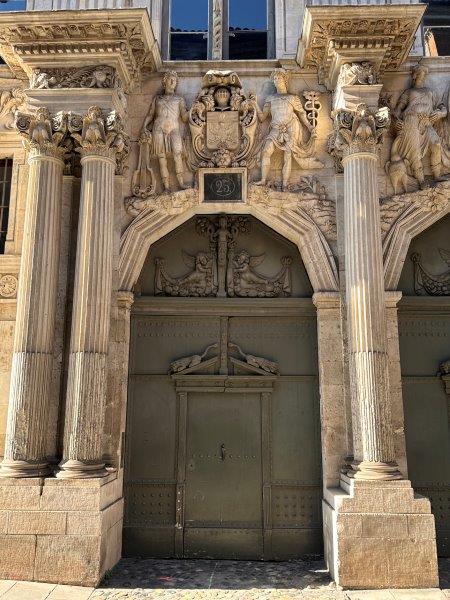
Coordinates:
<point>222,122</point>
<point>223,270</point>
<point>94,76</point>
<point>356,131</point>
<point>173,203</point>
<point>8,286</point>
<point>101,135</point>
<point>431,285</point>
<point>422,132</point>
<point>333,35</point>
<point>431,199</point>
<point>10,102</point>
<point>44,133</point>
<point>357,73</point>
<point>30,41</point>
<point>288,123</point>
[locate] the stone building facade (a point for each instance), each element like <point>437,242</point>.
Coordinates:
<point>224,293</point>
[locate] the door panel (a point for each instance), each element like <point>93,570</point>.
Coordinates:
<point>223,471</point>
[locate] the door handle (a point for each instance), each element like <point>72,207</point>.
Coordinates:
<point>223,453</point>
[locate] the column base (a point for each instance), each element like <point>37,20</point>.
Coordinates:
<point>22,468</point>
<point>67,532</point>
<point>77,469</point>
<point>374,471</point>
<point>378,535</point>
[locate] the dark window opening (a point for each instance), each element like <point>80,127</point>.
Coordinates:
<point>247,29</point>
<point>11,5</point>
<point>5,192</point>
<point>437,28</point>
<point>189,30</point>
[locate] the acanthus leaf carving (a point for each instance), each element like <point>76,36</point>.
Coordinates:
<point>43,133</point>
<point>173,203</point>
<point>355,131</point>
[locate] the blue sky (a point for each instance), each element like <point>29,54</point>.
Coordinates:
<point>193,14</point>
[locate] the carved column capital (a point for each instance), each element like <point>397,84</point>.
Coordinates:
<point>101,136</point>
<point>44,134</point>
<point>357,131</point>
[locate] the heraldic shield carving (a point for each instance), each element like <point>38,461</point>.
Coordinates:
<point>223,122</point>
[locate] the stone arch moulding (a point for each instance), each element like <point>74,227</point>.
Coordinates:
<point>420,211</point>
<point>166,213</point>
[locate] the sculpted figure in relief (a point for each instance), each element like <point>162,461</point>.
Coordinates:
<point>162,129</point>
<point>286,131</point>
<point>415,119</point>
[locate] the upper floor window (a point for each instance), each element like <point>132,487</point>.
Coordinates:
<point>219,29</point>
<point>5,192</point>
<point>188,30</point>
<point>9,5</point>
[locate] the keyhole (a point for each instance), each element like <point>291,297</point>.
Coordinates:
<point>222,452</point>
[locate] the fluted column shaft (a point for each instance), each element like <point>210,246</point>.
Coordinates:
<point>366,317</point>
<point>86,386</point>
<point>35,321</point>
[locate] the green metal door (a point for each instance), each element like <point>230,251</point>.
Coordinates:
<point>223,500</point>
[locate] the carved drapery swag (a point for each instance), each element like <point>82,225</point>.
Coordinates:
<point>45,134</point>
<point>356,131</point>
<point>101,135</point>
<point>223,270</point>
<point>431,285</point>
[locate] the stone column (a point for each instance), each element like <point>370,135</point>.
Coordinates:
<point>32,362</point>
<point>100,141</point>
<point>357,134</point>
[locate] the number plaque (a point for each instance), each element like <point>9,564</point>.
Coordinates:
<point>223,185</point>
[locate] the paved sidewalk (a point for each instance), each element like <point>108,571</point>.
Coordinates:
<point>216,580</point>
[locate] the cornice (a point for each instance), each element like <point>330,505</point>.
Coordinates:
<point>122,39</point>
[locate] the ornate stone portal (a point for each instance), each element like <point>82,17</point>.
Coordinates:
<point>224,270</point>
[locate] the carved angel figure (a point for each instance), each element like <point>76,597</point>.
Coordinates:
<point>244,281</point>
<point>288,120</point>
<point>415,119</point>
<point>162,129</point>
<point>199,282</point>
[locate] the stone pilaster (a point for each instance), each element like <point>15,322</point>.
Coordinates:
<point>357,134</point>
<point>32,363</point>
<point>100,142</point>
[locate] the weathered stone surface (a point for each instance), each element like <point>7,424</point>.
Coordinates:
<point>39,522</point>
<point>17,556</point>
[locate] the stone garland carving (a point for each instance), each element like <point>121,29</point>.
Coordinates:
<point>10,101</point>
<point>8,286</point>
<point>161,137</point>
<point>223,271</point>
<point>357,73</point>
<point>431,285</point>
<point>101,135</point>
<point>288,121</point>
<point>222,122</point>
<point>421,132</point>
<point>96,76</point>
<point>432,199</point>
<point>43,133</point>
<point>360,130</point>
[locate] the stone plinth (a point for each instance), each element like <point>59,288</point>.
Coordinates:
<point>379,535</point>
<point>60,531</point>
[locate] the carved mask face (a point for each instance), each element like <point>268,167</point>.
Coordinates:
<point>170,84</point>
<point>280,83</point>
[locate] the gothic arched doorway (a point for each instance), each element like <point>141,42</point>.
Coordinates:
<point>223,428</point>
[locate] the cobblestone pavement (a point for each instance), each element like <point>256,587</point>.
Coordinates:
<point>135,579</point>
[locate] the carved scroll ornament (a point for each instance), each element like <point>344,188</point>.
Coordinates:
<point>44,133</point>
